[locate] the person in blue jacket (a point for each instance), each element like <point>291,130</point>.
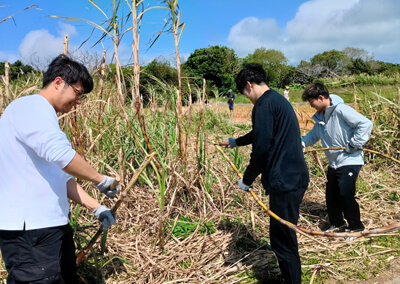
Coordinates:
<point>231,98</point>
<point>277,155</point>
<point>338,125</point>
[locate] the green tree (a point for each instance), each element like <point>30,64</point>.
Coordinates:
<point>358,66</point>
<point>287,76</point>
<point>273,61</point>
<point>217,64</point>
<point>385,68</point>
<point>162,70</point>
<point>331,63</point>
<point>17,69</point>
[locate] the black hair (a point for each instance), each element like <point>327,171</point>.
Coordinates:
<point>253,73</point>
<point>70,71</point>
<point>314,90</point>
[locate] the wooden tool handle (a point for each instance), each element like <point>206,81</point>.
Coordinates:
<point>115,183</point>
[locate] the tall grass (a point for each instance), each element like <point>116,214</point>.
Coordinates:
<point>178,206</point>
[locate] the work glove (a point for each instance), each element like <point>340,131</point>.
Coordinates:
<point>243,186</point>
<point>232,143</point>
<point>103,214</point>
<point>350,149</point>
<point>303,144</point>
<point>105,187</point>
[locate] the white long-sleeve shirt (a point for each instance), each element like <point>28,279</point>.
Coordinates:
<point>33,152</point>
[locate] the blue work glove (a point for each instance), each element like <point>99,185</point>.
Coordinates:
<point>103,214</point>
<point>243,186</point>
<point>104,187</point>
<point>350,149</point>
<point>232,143</point>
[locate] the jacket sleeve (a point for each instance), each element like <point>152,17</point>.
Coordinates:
<point>362,126</point>
<point>312,137</point>
<point>245,139</point>
<point>262,137</point>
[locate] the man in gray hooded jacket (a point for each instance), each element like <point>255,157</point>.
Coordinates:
<point>338,125</point>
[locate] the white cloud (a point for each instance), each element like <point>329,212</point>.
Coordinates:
<point>251,33</point>
<point>66,29</point>
<point>40,44</point>
<point>321,25</point>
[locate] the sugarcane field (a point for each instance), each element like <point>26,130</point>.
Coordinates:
<point>178,169</point>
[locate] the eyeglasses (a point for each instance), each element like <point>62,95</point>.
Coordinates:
<point>78,93</point>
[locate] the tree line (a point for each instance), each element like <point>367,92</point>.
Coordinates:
<point>219,65</point>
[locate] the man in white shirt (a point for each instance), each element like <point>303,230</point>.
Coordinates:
<point>286,93</point>
<point>37,164</point>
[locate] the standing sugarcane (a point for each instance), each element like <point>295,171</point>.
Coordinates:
<point>136,19</point>
<point>177,29</point>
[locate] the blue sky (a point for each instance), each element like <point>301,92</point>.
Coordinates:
<point>298,28</point>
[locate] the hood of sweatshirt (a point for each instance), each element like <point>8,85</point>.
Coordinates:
<point>322,116</point>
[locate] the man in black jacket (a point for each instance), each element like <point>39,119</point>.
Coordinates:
<point>277,155</point>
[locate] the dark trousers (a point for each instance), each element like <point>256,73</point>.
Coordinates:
<point>286,205</point>
<point>340,197</point>
<point>41,256</point>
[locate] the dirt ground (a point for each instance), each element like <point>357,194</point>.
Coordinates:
<point>242,114</point>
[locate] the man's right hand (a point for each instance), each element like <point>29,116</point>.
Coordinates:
<point>350,149</point>
<point>243,186</point>
<point>105,187</point>
<point>232,143</point>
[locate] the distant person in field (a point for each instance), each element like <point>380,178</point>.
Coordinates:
<point>231,98</point>
<point>338,125</point>
<point>286,93</point>
<point>37,165</point>
<point>277,155</point>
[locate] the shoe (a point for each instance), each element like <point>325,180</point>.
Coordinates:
<point>349,239</point>
<point>342,228</point>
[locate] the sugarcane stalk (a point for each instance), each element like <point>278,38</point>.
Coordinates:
<point>83,253</point>
<point>101,88</point>
<point>365,150</point>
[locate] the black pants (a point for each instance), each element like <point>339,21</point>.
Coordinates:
<point>340,197</point>
<point>283,239</point>
<point>41,256</point>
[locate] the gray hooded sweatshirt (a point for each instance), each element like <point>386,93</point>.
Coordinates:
<point>336,126</point>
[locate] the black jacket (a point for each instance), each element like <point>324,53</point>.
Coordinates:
<point>277,152</point>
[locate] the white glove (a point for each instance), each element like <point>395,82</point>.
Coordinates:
<point>243,186</point>
<point>105,187</point>
<point>103,214</point>
<point>303,144</point>
<point>232,143</point>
